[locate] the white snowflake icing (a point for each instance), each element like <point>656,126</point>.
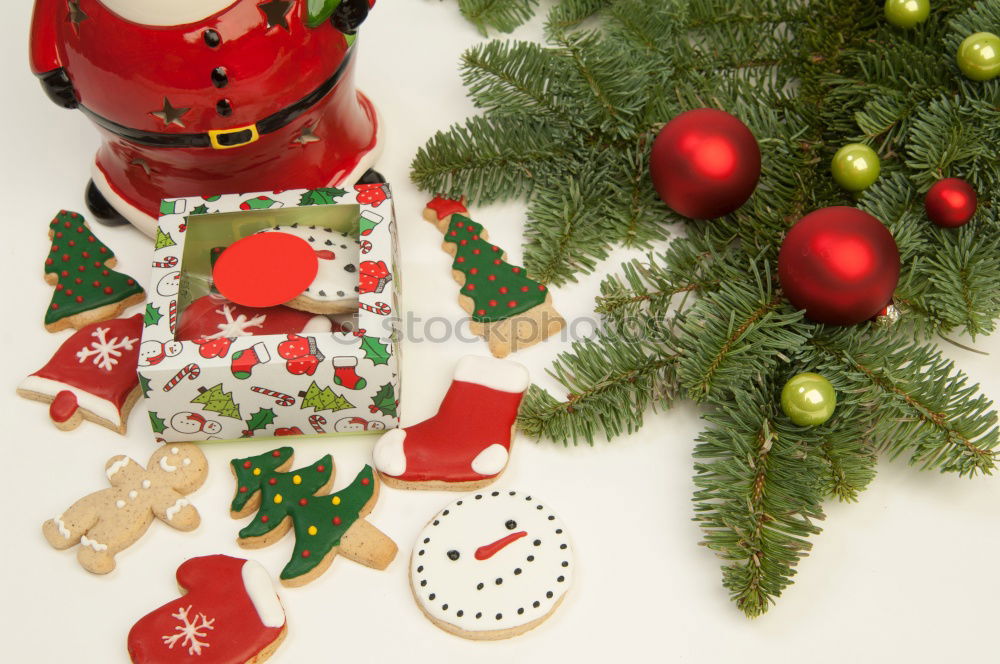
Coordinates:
<point>190,632</point>
<point>105,353</point>
<point>236,327</point>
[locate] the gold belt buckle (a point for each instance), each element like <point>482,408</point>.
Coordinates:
<point>214,134</point>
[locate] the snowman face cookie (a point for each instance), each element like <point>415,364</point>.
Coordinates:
<point>491,565</point>
<point>335,288</point>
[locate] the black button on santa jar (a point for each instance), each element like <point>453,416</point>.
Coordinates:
<point>198,97</point>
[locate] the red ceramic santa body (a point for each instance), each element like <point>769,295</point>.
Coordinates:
<point>202,97</point>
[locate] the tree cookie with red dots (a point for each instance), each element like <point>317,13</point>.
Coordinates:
<point>80,267</point>
<point>325,524</point>
<point>466,445</point>
<point>91,377</point>
<point>109,521</point>
<point>229,614</point>
<point>508,309</point>
<point>491,565</point>
<point>335,287</point>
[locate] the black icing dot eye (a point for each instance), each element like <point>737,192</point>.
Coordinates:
<point>350,268</point>
<point>453,554</point>
<point>511,524</point>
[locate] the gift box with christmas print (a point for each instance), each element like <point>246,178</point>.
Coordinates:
<point>213,368</point>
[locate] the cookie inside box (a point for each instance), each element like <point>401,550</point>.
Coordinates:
<point>227,292</point>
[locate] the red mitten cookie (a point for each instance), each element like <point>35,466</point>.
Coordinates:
<point>214,317</point>
<point>230,615</point>
<point>92,376</point>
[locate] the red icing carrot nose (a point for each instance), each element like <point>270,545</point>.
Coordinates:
<point>325,254</point>
<point>489,550</point>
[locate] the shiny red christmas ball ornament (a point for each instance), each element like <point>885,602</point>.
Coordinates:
<point>840,264</point>
<point>705,163</point>
<point>951,203</point>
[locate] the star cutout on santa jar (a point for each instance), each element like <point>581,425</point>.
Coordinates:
<point>76,15</point>
<point>170,114</point>
<point>275,12</point>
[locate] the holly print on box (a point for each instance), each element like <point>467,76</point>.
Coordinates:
<point>508,309</point>
<point>230,614</point>
<point>109,521</point>
<point>92,376</point>
<point>79,265</point>
<point>324,524</point>
<point>466,445</point>
<point>492,565</point>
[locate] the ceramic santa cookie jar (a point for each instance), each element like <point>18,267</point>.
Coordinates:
<point>230,615</point>
<point>198,97</point>
<point>492,565</point>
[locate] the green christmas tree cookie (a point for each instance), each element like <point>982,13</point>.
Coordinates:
<point>324,524</point>
<point>509,309</point>
<point>80,266</point>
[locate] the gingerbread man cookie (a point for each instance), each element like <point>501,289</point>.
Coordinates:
<point>335,288</point>
<point>508,309</point>
<point>109,521</point>
<point>230,614</point>
<point>491,565</point>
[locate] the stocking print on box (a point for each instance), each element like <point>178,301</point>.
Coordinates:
<point>467,443</point>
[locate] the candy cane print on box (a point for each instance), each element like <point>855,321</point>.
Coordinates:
<point>212,369</point>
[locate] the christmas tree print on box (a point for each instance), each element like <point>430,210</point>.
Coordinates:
<point>212,370</point>
<point>79,265</point>
<point>324,524</point>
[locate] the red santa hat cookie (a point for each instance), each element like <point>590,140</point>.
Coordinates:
<point>335,287</point>
<point>492,565</point>
<point>467,444</point>
<point>92,376</point>
<point>230,615</point>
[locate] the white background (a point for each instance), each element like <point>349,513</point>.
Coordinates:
<point>907,575</point>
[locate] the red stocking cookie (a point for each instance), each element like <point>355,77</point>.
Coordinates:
<point>92,376</point>
<point>467,444</point>
<point>214,317</point>
<point>230,615</point>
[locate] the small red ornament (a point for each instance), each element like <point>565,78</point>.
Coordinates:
<point>840,264</point>
<point>705,163</point>
<point>951,203</point>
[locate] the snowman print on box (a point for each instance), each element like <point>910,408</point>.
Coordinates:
<point>492,565</point>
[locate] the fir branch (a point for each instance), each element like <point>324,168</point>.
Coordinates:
<point>756,498</point>
<point>568,14</point>
<point>502,15</point>
<point>610,383</point>
<point>925,408</point>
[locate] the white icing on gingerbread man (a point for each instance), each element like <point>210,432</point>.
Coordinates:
<point>109,521</point>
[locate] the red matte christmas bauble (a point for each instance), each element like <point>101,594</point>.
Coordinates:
<point>951,203</point>
<point>705,163</point>
<point>840,264</point>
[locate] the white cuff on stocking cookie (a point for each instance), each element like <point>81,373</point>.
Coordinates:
<point>467,444</point>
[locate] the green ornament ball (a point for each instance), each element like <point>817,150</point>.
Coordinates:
<point>979,56</point>
<point>855,167</point>
<point>907,13</point>
<point>808,399</point>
